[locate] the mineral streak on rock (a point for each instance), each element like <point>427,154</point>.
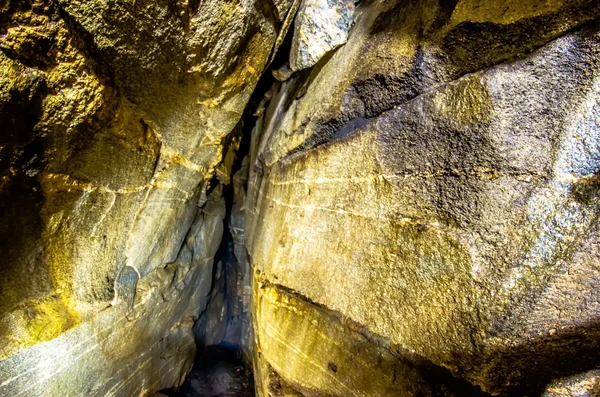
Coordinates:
<point>320,26</point>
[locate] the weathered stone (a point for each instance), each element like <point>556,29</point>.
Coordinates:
<point>581,385</point>
<point>237,228</point>
<point>143,343</point>
<point>398,51</point>
<point>435,182</point>
<point>119,352</point>
<point>114,115</point>
<point>125,285</point>
<point>320,26</point>
<point>283,73</point>
<point>313,352</point>
<point>212,327</point>
<point>421,215</point>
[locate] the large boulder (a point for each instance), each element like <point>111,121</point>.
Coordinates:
<point>432,186</point>
<point>113,119</point>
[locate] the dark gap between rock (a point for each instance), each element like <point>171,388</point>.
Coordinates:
<point>221,369</point>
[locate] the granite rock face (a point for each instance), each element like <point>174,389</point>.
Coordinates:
<point>430,192</point>
<point>580,385</point>
<point>320,26</point>
<point>114,116</point>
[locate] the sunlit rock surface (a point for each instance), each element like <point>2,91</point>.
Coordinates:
<point>113,119</point>
<point>431,191</point>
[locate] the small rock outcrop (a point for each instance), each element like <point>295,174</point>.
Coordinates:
<point>320,26</point>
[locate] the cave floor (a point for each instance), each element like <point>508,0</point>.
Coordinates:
<point>217,372</point>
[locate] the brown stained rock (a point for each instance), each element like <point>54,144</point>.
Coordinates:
<point>397,51</point>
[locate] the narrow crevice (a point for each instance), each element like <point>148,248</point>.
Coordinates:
<point>219,367</point>
<point>217,371</point>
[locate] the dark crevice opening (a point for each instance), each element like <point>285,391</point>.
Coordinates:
<point>219,370</point>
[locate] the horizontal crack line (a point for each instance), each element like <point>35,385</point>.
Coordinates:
<point>66,182</point>
<point>180,159</point>
<point>398,219</point>
<point>485,174</point>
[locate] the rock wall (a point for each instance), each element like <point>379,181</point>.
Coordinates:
<point>113,116</point>
<point>422,211</point>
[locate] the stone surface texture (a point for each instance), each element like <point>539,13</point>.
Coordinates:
<point>113,118</point>
<point>429,192</point>
<point>243,289</point>
<point>419,208</point>
<point>320,26</point>
<point>580,385</point>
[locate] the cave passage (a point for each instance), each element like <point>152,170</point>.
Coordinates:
<point>303,198</point>
<point>221,366</point>
<point>218,372</point>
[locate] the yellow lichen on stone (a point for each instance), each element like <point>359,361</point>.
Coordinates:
<point>465,101</point>
<point>310,349</point>
<point>504,12</point>
<point>51,318</point>
<point>37,322</point>
<point>349,218</point>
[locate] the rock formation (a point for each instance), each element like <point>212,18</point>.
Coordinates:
<point>114,117</point>
<point>319,27</point>
<point>425,201</point>
<point>418,213</point>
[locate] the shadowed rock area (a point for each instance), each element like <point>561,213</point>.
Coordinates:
<point>354,198</point>
<point>217,373</point>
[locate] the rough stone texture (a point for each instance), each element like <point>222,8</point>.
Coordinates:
<point>227,317</point>
<point>243,288</point>
<point>421,214</point>
<point>113,116</point>
<point>320,26</point>
<point>307,350</point>
<point>132,348</point>
<point>434,184</point>
<point>581,385</point>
